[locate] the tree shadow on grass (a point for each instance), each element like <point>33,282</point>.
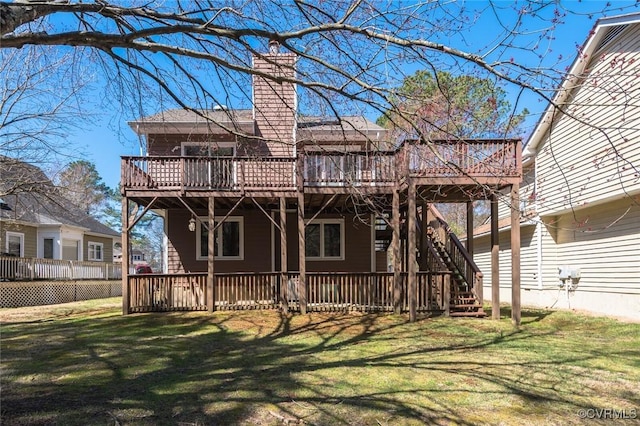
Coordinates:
<point>270,368</point>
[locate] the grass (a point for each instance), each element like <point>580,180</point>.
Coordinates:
<point>85,364</point>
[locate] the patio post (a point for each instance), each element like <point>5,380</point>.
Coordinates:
<point>495,259</point>
<point>211,255</point>
<point>126,309</point>
<point>411,248</point>
<point>515,254</point>
<point>395,251</point>
<point>284,278</point>
<point>302,258</point>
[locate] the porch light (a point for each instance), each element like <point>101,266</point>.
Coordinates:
<point>192,225</point>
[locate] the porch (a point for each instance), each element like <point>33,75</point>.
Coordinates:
<point>325,291</point>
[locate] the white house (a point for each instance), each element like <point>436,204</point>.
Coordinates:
<point>580,198</point>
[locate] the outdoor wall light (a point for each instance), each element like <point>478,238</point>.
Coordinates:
<point>192,225</point>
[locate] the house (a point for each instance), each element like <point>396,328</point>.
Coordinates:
<point>269,208</point>
<point>37,222</point>
<point>580,197</point>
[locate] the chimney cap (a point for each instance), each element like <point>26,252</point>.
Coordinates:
<point>274,47</point>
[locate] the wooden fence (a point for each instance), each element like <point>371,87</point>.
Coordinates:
<point>31,268</point>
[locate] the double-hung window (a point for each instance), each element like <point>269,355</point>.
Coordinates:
<point>15,244</point>
<point>96,251</point>
<point>324,239</point>
<point>228,239</point>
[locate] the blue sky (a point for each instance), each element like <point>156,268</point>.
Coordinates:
<point>109,137</point>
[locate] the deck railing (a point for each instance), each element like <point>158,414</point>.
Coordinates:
<point>475,158</point>
<point>31,268</point>
<point>206,173</point>
<point>350,169</point>
<point>483,158</point>
<point>335,291</point>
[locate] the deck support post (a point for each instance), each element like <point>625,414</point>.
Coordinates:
<point>284,277</point>
<point>302,255</point>
<point>302,280</point>
<point>411,251</point>
<point>469,244</point>
<point>395,251</point>
<point>126,307</point>
<point>515,255</point>
<point>211,255</point>
<point>495,260</point>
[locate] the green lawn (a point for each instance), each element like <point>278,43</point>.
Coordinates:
<point>85,364</point>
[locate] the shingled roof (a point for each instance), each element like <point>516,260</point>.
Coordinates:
<point>28,195</point>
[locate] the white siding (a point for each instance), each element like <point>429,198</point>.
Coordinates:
<point>591,153</point>
<point>604,243</point>
<point>527,194</point>
<point>528,258</point>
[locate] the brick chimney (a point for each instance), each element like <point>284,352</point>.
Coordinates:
<point>275,103</point>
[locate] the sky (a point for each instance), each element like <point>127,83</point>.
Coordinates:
<point>109,137</point>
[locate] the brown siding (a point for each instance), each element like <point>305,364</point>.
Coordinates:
<point>275,103</point>
<point>357,241</point>
<point>170,144</point>
<point>182,244</point>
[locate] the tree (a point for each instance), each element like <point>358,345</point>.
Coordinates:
<point>353,55</point>
<point>81,184</point>
<point>444,106</point>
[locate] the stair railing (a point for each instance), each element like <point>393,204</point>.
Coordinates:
<point>459,255</point>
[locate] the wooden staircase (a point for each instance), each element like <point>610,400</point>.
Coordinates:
<point>442,251</point>
<point>465,275</point>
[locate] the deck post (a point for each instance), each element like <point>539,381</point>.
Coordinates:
<point>423,237</point>
<point>411,251</point>
<point>515,255</point>
<point>126,308</point>
<point>211,255</point>
<point>395,251</point>
<point>446,294</point>
<point>469,245</point>
<point>495,259</point>
<point>302,257</point>
<point>284,278</point>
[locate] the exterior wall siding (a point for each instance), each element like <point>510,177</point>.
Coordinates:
<point>107,245</point>
<point>275,103</point>
<point>602,241</point>
<point>593,155</point>
<point>30,237</point>
<point>258,245</point>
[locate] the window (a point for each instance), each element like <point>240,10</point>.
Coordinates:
<point>48,248</point>
<point>15,244</point>
<point>228,239</point>
<point>324,239</point>
<point>96,251</point>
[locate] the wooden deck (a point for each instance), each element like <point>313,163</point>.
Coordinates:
<point>326,291</point>
<point>439,162</point>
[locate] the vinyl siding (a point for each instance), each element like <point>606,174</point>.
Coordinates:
<point>527,194</point>
<point>107,246</point>
<point>588,157</point>
<point>30,237</point>
<point>528,257</point>
<point>604,243</point>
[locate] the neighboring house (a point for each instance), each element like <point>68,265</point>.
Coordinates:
<point>36,221</point>
<point>302,209</point>
<point>580,245</point>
